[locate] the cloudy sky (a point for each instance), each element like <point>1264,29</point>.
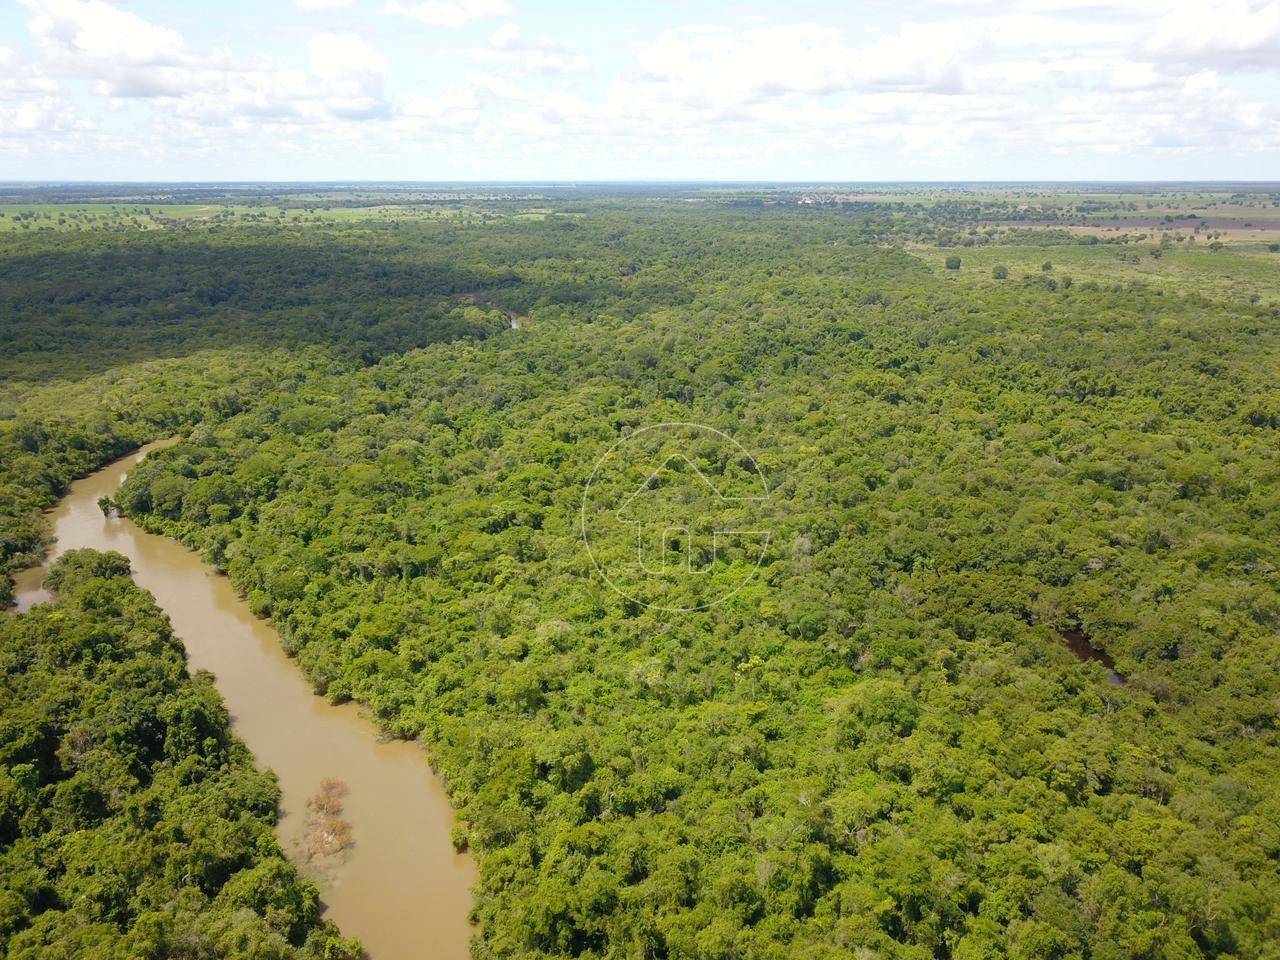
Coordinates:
<point>663,89</point>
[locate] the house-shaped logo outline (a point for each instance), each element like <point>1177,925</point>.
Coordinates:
<point>584,514</point>
<point>624,514</point>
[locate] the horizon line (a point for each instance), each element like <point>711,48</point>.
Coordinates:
<point>625,182</point>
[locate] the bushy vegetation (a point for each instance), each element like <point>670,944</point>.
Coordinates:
<point>132,822</point>
<point>72,304</point>
<point>880,746</point>
<point>880,742</point>
<point>52,434</point>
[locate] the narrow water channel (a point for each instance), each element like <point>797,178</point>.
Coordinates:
<point>1083,649</point>
<point>400,888</point>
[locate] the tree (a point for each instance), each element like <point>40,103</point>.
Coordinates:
<point>126,765</point>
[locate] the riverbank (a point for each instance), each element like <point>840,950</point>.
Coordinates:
<point>398,884</point>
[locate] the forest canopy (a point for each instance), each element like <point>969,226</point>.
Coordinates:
<point>881,745</point>
<point>132,821</point>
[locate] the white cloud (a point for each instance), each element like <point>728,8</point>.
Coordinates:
<point>122,54</point>
<point>450,13</point>
<point>98,30</point>
<point>931,84</point>
<point>1232,35</point>
<point>353,72</point>
<point>543,55</point>
<point>713,65</point>
<point>125,57</point>
<point>21,80</point>
<point>919,57</point>
<point>344,57</point>
<point>716,65</point>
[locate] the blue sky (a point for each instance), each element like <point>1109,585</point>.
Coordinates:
<point>508,89</point>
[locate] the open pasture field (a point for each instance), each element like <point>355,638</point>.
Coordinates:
<point>1247,272</point>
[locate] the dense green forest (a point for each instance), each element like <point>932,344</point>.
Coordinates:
<point>132,820</point>
<point>145,295</point>
<point>881,745</point>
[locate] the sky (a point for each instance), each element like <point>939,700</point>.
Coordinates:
<point>657,90</point>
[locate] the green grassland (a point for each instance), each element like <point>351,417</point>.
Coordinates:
<point>1239,272</point>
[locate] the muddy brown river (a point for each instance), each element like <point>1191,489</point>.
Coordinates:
<point>400,888</point>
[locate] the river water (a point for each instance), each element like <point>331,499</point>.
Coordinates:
<point>400,888</point>
<point>1082,647</point>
